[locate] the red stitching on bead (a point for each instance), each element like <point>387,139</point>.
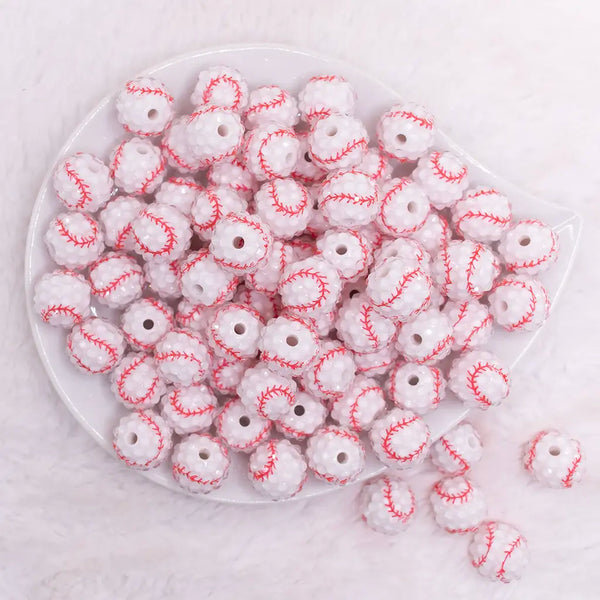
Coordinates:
<point>223,78</point>
<point>528,316</point>
<point>121,237</point>
<point>82,186</point>
<point>387,440</point>
<point>261,159</point>
<point>439,347</point>
<point>99,343</point>
<point>316,114</point>
<point>455,455</point>
<point>319,278</point>
<point>535,262</point>
<point>161,443</point>
<point>153,175</point>
<point>216,213</point>
<point>80,242</point>
<point>162,224</point>
<point>328,78</point>
<point>269,466</point>
<point>116,161</point>
<point>140,133</point>
<point>352,418</point>
<point>461,497</point>
<point>347,149</point>
<point>111,286</point>
<point>442,173</point>
<point>319,365</point>
<point>487,321</point>
<point>367,324</point>
<point>145,90</point>
<point>485,216</point>
<point>61,309</point>
<point>176,157</point>
<point>567,480</point>
<point>270,393</point>
<point>531,454</point>
<point>135,363</point>
<point>288,364</point>
<point>479,248</point>
<point>187,412</point>
<point>249,444</point>
<point>388,502</point>
<point>280,207</point>
<point>181,470</point>
<point>411,116</point>
<point>489,537</point>
<point>392,229</point>
<point>277,101</point>
<point>472,376</point>
<point>507,554</point>
<point>183,182</point>
<point>406,279</point>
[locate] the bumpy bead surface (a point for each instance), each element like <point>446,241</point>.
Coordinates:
<point>116,218</point>
<point>457,450</point>
<point>116,279</point>
<point>443,176</point>
<point>62,298</point>
<point>360,405</point>
<point>136,383</point>
<point>189,409</point>
<point>241,429</point>
<point>471,324</point>
<point>137,166</point>
<point>95,346</point>
<point>180,192</point>
<point>146,321</point>
<point>349,251</point>
<point>271,151</point>
<point>305,416</point>
<point>404,207</point>
<point>426,339</point>
<point>182,357</point>
<point>271,104</point>
<point>221,86</point>
<point>324,95</point>
<point>419,388</point>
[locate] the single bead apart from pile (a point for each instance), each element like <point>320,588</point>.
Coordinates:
<point>62,298</point>
<point>388,505</point>
<point>499,551</point>
<point>554,459</point>
<point>456,451</point>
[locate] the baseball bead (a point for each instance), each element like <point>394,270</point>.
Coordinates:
<point>146,321</point>
<point>405,248</point>
<point>179,192</point>
<point>375,165</point>
<point>335,455</point>
<point>529,247</point>
<point>270,151</point>
<point>136,383</point>
<point>182,357</point>
<point>554,459</point>
<point>479,379</point>
<point>189,409</point>
<point>271,104</point>
<point>193,316</point>
<point>387,505</point>
<point>305,416</point>
<point>233,331</point>
<point>419,388</point>
<point>144,107</point>
<point>459,506</point>
<point>471,324</point>
<point>95,346</point>
<point>137,166</point>
<point>400,438</point>
<point>266,278</point>
<point>176,148</point>
<point>200,463</point>
<point>305,170</point>
<point>519,303</point>
<point>434,234</point>
<point>82,182</point>
<point>62,298</point>
<point>277,469</point>
<point>163,278</point>
<point>348,251</point>
<point>222,86</point>
<point>116,218</point>
<point>233,174</point>
<point>225,375</point>
<point>142,440</point>
<point>324,95</point>
<point>457,450</point>
<point>360,405</point>
<point>379,362</point>
<point>482,215</point>
<point>499,551</point>
<point>116,279</point>
<point>241,429</point>
<point>404,207</point>
<point>74,240</point>
<point>266,305</point>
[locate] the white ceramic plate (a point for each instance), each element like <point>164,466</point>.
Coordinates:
<point>89,398</point>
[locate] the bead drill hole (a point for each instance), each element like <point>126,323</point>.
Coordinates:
<point>291,340</point>
<point>341,250</point>
<point>238,242</point>
<point>244,421</point>
<point>307,157</point>
<point>503,305</point>
<point>142,150</point>
<point>554,450</point>
<point>223,130</point>
<point>413,380</point>
<point>204,454</point>
<point>331,131</point>
<point>472,442</point>
<point>199,288</point>
<point>132,438</point>
<point>411,207</point>
<point>299,410</point>
<point>152,114</point>
<point>417,339</point>
<point>148,324</point>
<point>353,293</point>
<point>239,328</point>
<point>401,138</point>
<point>342,458</point>
<point>525,241</point>
<point>316,204</point>
<point>289,159</point>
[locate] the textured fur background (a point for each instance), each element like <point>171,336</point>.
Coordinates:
<point>517,85</point>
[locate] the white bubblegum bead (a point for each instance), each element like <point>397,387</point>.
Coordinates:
<point>161,233</point>
<point>457,450</point>
<point>116,218</point>
<point>271,104</point>
<point>277,469</point>
<point>265,304</point>
<point>499,552</point>
<point>304,246</point>
<point>379,362</point>
<point>324,95</point>
<point>95,346</point>
<point>288,345</point>
<point>529,247</point>
<point>241,243</point>
<point>458,505</point>
<point>482,215</point>
<point>406,131</point>
<point>349,199</point>
<point>348,251</point>
<point>404,207</point>
<point>465,270</point>
<point>222,86</point>
<point>74,240</point>
<point>205,282</point>
<point>200,463</point>
<point>271,151</point>
<point>400,438</point>
<point>137,166</point>
<point>241,429</point>
<point>375,165</point>
<point>405,248</point>
<point>360,405</point>
<point>310,286</point>
<point>211,205</point>
<point>176,148</point>
<point>213,134</point>
<point>479,379</point>
<point>387,505</point>
<point>266,278</point>
<point>443,177</point>
<point>225,374</point>
<point>136,383</point>
<point>142,439</point>
<point>163,278</point>
<point>189,409</point>
<point>372,233</point>
<point>117,279</point>
<point>234,330</point>
<point>332,371</point>
<point>338,142</point>
<point>399,289</point>
<point>62,298</point>
<point>269,394</point>
<point>434,234</point>
<point>305,416</point>
<point>180,192</point>
<point>144,107</point>
<point>519,303</point>
<point>416,387</point>
<point>335,455</point>
<point>145,321</point>
<point>322,323</point>
<point>284,205</point>
<point>82,182</point>
<point>426,339</point>
<point>233,174</point>
<point>361,327</point>
<point>554,459</point>
<point>193,316</point>
<point>471,324</point>
<point>182,357</point>
<point>305,170</point>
